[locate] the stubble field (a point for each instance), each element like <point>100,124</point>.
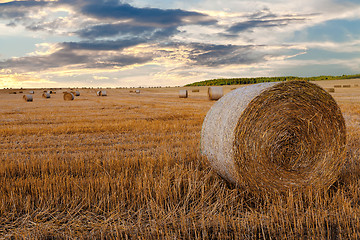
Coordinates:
<point>129,166</point>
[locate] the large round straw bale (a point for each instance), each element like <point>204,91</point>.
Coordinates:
<point>28,98</point>
<point>272,137</point>
<point>46,95</point>
<point>215,93</point>
<point>68,96</point>
<point>183,93</point>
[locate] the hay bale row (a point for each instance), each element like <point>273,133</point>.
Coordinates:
<point>337,86</point>
<point>195,90</point>
<point>346,86</point>
<point>183,93</point>
<point>272,137</point>
<point>28,98</point>
<point>215,93</point>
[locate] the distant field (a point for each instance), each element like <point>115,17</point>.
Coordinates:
<point>129,166</point>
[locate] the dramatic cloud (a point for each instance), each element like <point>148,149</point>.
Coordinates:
<point>122,42</point>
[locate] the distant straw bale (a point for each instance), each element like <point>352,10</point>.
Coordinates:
<point>31,92</point>
<point>68,96</point>
<point>183,93</point>
<point>215,93</point>
<point>98,93</point>
<point>28,98</point>
<point>272,137</point>
<point>76,93</point>
<point>195,90</point>
<point>346,86</point>
<point>356,85</point>
<point>330,90</point>
<point>103,93</point>
<point>137,91</point>
<point>337,86</point>
<point>46,95</point>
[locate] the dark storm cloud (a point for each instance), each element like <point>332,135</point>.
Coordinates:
<point>86,54</point>
<point>19,9</point>
<point>125,30</point>
<point>163,17</point>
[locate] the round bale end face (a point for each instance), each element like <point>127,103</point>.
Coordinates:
<point>215,93</point>
<point>46,95</point>
<point>28,98</point>
<point>68,96</point>
<point>183,93</point>
<point>274,137</point>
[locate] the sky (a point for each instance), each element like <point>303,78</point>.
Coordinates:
<point>132,43</point>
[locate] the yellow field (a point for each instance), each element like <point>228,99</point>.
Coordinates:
<point>129,166</point>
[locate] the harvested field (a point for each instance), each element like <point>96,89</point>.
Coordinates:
<point>129,166</point>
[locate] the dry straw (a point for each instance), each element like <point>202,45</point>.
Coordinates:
<point>31,92</point>
<point>195,90</point>
<point>346,86</point>
<point>68,96</point>
<point>183,93</point>
<point>215,93</point>
<point>337,86</point>
<point>28,98</point>
<point>46,95</point>
<point>272,137</point>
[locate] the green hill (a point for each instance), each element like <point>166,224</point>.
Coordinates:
<point>237,81</point>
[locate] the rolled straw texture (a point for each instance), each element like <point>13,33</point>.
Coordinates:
<point>28,98</point>
<point>183,93</point>
<point>272,137</point>
<point>46,95</point>
<point>215,93</point>
<point>68,96</point>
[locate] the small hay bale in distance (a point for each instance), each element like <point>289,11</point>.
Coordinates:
<point>195,90</point>
<point>28,98</point>
<point>76,93</point>
<point>273,137</point>
<point>68,96</point>
<point>215,93</point>
<point>346,86</point>
<point>103,93</point>
<point>337,86</point>
<point>46,95</point>
<point>98,93</point>
<point>330,90</point>
<point>31,92</point>
<point>356,85</point>
<point>183,93</point>
<point>137,91</point>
